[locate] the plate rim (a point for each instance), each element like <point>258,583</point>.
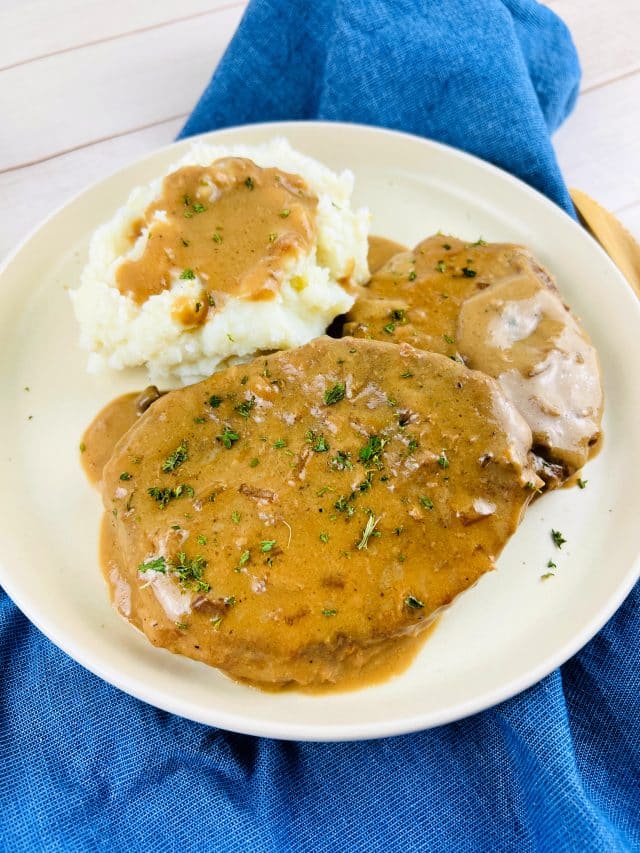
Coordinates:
<point>314,732</point>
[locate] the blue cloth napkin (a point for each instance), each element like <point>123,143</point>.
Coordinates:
<point>85,767</point>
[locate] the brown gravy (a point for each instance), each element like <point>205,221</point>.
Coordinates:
<point>382,250</point>
<point>233,225</point>
<point>281,490</point>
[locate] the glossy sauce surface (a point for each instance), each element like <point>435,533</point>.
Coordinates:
<point>233,225</point>
<point>495,308</point>
<point>401,472</point>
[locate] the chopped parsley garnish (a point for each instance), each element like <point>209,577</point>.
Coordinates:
<point>441,266</point>
<point>211,300</point>
<point>217,237</point>
<point>82,447</point>
<point>215,622</point>
<point>176,458</point>
<point>126,475</point>
<point>187,274</point>
<point>341,461</point>
<point>230,601</point>
<point>182,626</point>
<point>343,505</point>
<point>244,558</point>
<point>249,184</point>
<point>366,533</point>
<point>558,538</point>
<point>329,612</point>
<point>214,401</point>
<point>398,530</point>
<point>468,273</point>
<point>272,236</point>
<point>372,450</point>
<point>389,328</point>
<point>480,242</point>
<point>202,540</point>
<point>413,445</point>
<point>335,394</point>
<point>413,602</point>
<point>426,502</point>
<point>399,315</point>
<point>254,462</point>
<point>284,213</point>
<point>235,517</point>
<point>551,565</point>
<point>324,537</point>
<point>582,484</point>
<point>412,275</point>
<point>157,565</point>
<point>317,441</point>
<point>406,375</point>
<point>228,437</point>
<point>547,575</point>
<point>267,545</point>
<point>443,462</point>
<point>448,339</point>
<point>244,408</point>
<point>163,496</point>
<point>446,246</point>
<point>279,443</point>
<point>190,571</point>
<point>198,208</point>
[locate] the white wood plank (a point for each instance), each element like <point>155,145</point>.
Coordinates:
<point>605,34</point>
<point>630,218</point>
<point>599,146</point>
<point>29,195</point>
<point>94,92</point>
<point>34,28</point>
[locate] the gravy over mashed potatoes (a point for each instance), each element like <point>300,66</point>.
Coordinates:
<point>233,252</point>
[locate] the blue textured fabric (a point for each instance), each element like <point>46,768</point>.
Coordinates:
<point>85,767</point>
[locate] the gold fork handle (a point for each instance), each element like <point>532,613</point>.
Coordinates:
<point>614,238</point>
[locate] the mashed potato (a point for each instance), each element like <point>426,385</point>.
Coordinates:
<point>317,285</point>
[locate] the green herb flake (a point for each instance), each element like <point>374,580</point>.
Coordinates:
<point>244,408</point>
<point>448,339</point>
<point>327,612</point>
<point>249,183</point>
<point>551,564</point>
<point>187,274</point>
<point>582,484</point>
<point>202,540</point>
<point>82,447</point>
<point>480,242</point>
<point>230,601</point>
<point>267,545</point>
<point>406,375</point>
<point>426,502</point>
<point>272,236</point>
<point>443,461</point>
<point>254,462</point>
<point>244,558</point>
<point>317,441</point>
<point>324,537</point>
<point>279,444</point>
<point>335,395</point>
<point>341,461</point>
<point>211,300</point>
<point>412,275</point>
<point>371,452</point>
<point>467,272</point>
<point>159,564</point>
<point>214,401</point>
<point>182,626</point>
<point>176,458</point>
<point>558,538</point>
<point>126,475</point>
<point>446,246</point>
<point>413,603</point>
<point>547,575</point>
<point>216,621</point>
<point>228,437</point>
<point>235,517</point>
<point>399,315</point>
<point>441,266</point>
<point>389,328</point>
<point>412,445</point>
<point>217,237</point>
<point>284,213</point>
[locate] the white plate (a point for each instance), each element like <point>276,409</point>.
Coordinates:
<point>499,638</point>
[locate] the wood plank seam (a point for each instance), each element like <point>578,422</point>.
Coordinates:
<point>214,10</point>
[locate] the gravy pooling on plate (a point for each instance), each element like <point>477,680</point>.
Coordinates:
<point>292,519</point>
<point>495,308</point>
<point>233,224</point>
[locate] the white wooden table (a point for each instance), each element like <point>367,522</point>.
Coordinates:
<point>88,85</point>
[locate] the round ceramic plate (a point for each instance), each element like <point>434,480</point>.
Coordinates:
<point>498,638</point>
